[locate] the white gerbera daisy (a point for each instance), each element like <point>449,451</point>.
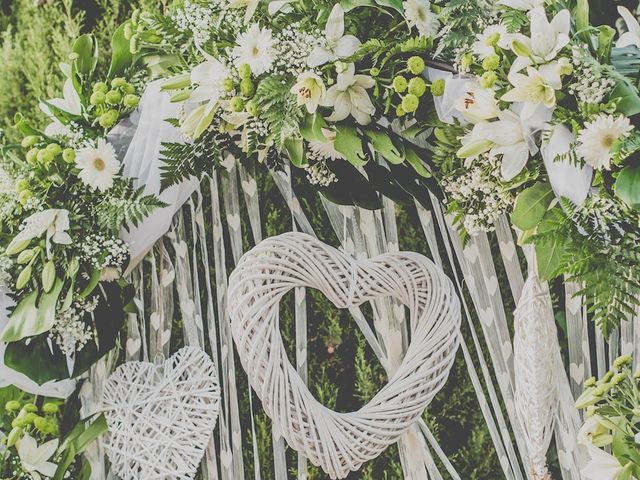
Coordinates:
<point>418,14</point>
<point>326,150</point>
<point>597,138</point>
<point>255,48</point>
<point>98,166</point>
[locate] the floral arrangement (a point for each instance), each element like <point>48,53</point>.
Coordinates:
<point>42,439</point>
<point>613,421</point>
<point>512,107</point>
<point>64,200</point>
<point>542,128</point>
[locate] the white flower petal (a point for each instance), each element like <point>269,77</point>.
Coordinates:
<point>334,29</point>
<point>346,46</point>
<point>514,158</point>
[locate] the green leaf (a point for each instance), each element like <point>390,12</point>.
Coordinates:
<point>29,319</point>
<point>548,259</point>
<point>628,99</point>
<point>93,283</point>
<point>416,162</point>
<point>351,4</point>
<point>311,128</point>
<point>121,57</point>
<point>605,43</point>
<point>394,4</point>
<point>627,186</point>
<point>86,48</point>
<point>384,146</point>
<point>582,19</point>
<point>531,205</point>
<point>295,150</point>
<point>349,144</point>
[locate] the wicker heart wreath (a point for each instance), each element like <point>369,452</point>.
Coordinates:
<point>161,417</point>
<point>341,442</point>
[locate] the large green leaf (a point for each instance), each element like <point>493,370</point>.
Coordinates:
<point>121,57</point>
<point>416,162</point>
<point>627,186</point>
<point>32,316</point>
<point>548,258</point>
<point>627,97</point>
<point>311,128</point>
<point>531,205</point>
<point>384,146</point>
<point>349,144</point>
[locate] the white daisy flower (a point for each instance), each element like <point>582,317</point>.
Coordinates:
<point>597,138</point>
<point>326,150</point>
<point>419,15</point>
<point>98,166</point>
<point>255,48</point>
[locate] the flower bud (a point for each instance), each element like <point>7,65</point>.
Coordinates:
<point>400,111</point>
<point>466,60</point>
<point>14,435</point>
<point>18,422</point>
<point>252,108</point>
<point>127,31</point>
<point>118,82</point>
<point>24,196</point>
<point>177,83</point>
<point>133,44</point>
<point>131,100</point>
<point>26,256</point>
<point>374,72</point>
<point>32,156</point>
<point>437,87</point>
<point>69,155</point>
<point>54,148</point>
<point>590,382</point>
<point>400,84</point>
<point>488,79</point>
<point>113,97</point>
<point>622,360</point>
<point>16,247</point>
<point>474,148</point>
<point>491,62</point>
<point>128,89</point>
<point>30,408</point>
<point>41,424</point>
<point>48,276</point>
<point>245,71</point>
<point>108,119</point>
<point>23,277</point>
<point>29,141</point>
<point>180,96</point>
<point>22,184</point>
<point>416,65</point>
<point>246,87</point>
<point>228,85</point>
<point>520,49</point>
<point>12,406</point>
<point>50,408</point>
<point>410,103</point>
<point>237,104</point>
<point>618,378</point>
<point>417,86</point>
<point>97,98</point>
<point>100,87</point>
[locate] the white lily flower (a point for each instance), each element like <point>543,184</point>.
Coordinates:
<point>594,432</point>
<point>278,5</point>
<point>525,5</point>
<point>632,35</point>
<point>601,466</point>
<point>547,38</point>
<point>478,103</point>
<point>505,137</point>
<point>209,76</point>
<point>483,48</point>
<point>309,90</point>
<point>34,459</point>
<point>349,97</point>
<point>54,221</point>
<point>69,103</point>
<point>338,45</point>
<point>537,87</point>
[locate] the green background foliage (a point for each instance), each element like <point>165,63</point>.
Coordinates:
<point>343,371</point>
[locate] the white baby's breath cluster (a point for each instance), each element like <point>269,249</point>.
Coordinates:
<point>292,47</point>
<point>479,189</point>
<point>590,86</point>
<point>318,173</point>
<point>70,331</point>
<point>5,272</point>
<point>197,19</point>
<point>102,251</point>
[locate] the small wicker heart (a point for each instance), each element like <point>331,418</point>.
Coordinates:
<point>161,417</point>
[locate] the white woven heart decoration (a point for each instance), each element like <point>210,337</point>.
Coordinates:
<point>161,417</point>
<point>341,442</point>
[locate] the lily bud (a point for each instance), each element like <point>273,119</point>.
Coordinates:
<point>180,96</point>
<point>48,276</point>
<point>25,256</point>
<point>177,83</point>
<point>474,148</point>
<point>16,247</point>
<point>14,435</point>
<point>23,278</point>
